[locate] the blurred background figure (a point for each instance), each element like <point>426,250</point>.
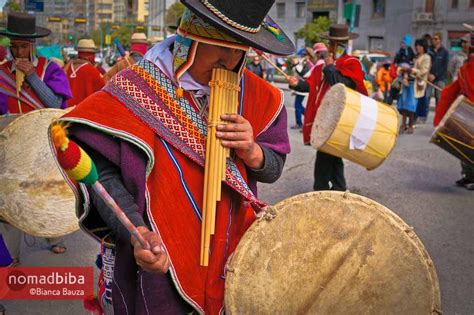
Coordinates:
<point>384,82</point>
<point>439,67</point>
<point>269,69</point>
<point>320,52</point>
<point>138,48</point>
<point>420,72</point>
<point>301,66</point>
<point>256,67</point>
<point>405,54</point>
<point>83,77</point>
<point>460,58</point>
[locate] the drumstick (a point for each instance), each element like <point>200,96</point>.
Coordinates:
<point>79,166</point>
<point>287,77</point>
<point>433,85</point>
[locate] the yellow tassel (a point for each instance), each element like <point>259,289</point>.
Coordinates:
<point>179,92</point>
<point>59,136</point>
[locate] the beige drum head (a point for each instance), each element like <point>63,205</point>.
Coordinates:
<point>331,253</point>
<point>33,194</point>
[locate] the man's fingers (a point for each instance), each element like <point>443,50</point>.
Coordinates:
<point>233,127</point>
<point>146,256</point>
<point>233,118</point>
<point>162,265</point>
<point>239,145</point>
<point>232,135</point>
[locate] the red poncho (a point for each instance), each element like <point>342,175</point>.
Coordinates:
<point>84,80</point>
<point>463,85</point>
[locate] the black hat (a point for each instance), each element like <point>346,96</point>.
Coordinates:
<point>339,32</point>
<point>246,20</point>
<point>23,25</point>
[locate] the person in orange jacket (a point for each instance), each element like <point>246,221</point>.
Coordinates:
<point>384,80</point>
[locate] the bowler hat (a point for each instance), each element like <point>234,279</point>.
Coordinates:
<point>23,25</point>
<point>245,20</point>
<point>338,32</point>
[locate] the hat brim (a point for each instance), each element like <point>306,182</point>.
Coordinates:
<point>469,27</point>
<point>350,36</point>
<point>40,32</point>
<point>263,40</point>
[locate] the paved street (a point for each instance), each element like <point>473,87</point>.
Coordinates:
<point>416,182</point>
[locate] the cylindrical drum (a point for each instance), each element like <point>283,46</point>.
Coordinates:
<point>331,253</point>
<point>34,197</point>
<point>355,127</point>
<point>455,132</point>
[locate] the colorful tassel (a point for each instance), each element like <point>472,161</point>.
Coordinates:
<point>73,159</point>
<point>79,166</point>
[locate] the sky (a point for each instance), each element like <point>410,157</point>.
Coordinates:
<point>2,3</point>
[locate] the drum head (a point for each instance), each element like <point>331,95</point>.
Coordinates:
<point>34,196</point>
<point>331,253</point>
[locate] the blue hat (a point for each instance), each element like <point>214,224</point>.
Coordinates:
<point>407,39</point>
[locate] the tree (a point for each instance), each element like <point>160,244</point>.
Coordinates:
<point>11,6</point>
<point>174,13</point>
<point>310,32</point>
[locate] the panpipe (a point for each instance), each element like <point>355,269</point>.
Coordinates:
<point>223,99</point>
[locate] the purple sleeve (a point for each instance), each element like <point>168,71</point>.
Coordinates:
<point>3,104</point>
<point>56,80</point>
<point>276,136</point>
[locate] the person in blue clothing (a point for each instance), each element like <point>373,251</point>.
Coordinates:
<point>439,67</point>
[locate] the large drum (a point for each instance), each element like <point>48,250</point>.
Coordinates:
<point>355,127</point>
<point>331,253</point>
<point>33,194</point>
<point>455,132</point>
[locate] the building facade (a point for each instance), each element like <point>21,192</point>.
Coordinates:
<point>383,23</point>
<point>156,18</point>
<point>291,15</point>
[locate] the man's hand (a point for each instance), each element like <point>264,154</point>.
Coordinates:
<point>237,134</point>
<point>293,81</point>
<point>329,59</point>
<point>155,259</point>
<point>431,77</point>
<point>25,66</point>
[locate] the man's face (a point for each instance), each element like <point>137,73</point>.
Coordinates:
<point>209,57</point>
<point>436,41</point>
<point>256,60</point>
<point>465,46</point>
<point>20,49</point>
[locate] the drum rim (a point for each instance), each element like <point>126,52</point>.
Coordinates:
<point>461,98</point>
<point>3,212</point>
<point>416,241</point>
<point>339,108</point>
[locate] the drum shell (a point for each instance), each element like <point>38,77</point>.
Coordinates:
<point>455,133</point>
<point>331,253</point>
<point>34,197</point>
<point>381,142</point>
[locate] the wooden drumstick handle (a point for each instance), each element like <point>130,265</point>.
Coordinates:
<point>287,77</point>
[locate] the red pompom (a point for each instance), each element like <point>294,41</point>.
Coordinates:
<point>70,157</point>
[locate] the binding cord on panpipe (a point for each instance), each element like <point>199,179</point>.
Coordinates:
<point>223,99</point>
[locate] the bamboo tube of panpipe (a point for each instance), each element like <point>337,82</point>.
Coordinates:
<point>208,186</point>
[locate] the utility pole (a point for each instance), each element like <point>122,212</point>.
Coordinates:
<point>163,27</point>
<point>340,12</point>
